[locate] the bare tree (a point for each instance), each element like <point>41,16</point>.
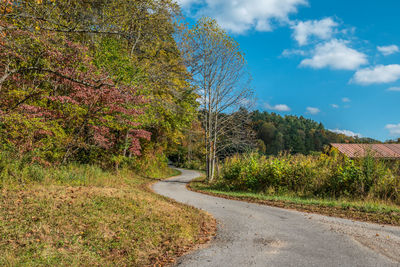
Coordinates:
<point>219,74</point>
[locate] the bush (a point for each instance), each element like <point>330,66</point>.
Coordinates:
<point>322,175</point>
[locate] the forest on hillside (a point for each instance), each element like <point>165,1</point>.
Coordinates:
<point>296,134</point>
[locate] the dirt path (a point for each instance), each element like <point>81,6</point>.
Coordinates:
<point>257,235</point>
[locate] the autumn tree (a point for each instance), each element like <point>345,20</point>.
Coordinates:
<point>55,102</point>
<point>118,50</point>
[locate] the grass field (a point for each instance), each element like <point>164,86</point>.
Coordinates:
<point>83,216</point>
<point>371,211</point>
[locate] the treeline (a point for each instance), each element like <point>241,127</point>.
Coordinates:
<point>295,134</point>
<point>99,82</point>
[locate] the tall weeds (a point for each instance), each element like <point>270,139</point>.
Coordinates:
<point>327,175</point>
<point>24,170</point>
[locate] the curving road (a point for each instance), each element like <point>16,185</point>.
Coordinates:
<point>259,235</point>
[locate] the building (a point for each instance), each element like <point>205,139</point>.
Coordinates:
<point>381,151</point>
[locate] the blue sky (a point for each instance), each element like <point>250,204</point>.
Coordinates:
<point>336,62</point>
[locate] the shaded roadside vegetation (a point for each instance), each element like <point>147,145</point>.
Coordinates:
<point>367,189</point>
<point>81,215</point>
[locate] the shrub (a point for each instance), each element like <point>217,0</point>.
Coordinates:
<point>321,175</point>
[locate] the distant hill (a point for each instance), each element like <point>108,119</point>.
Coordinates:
<point>296,134</point>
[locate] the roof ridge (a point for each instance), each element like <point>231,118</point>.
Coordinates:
<point>360,150</point>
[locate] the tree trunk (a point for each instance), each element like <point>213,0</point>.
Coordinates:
<point>126,146</point>
<point>214,147</point>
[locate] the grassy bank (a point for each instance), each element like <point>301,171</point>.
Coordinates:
<point>84,216</point>
<point>369,211</point>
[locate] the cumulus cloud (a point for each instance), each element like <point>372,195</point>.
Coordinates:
<point>394,129</point>
<point>388,50</point>
<point>335,54</point>
<point>346,132</point>
<point>346,100</point>
<point>322,29</point>
<point>313,110</point>
<point>279,107</point>
<point>242,15</point>
<point>394,89</point>
<point>334,105</point>
<point>377,74</point>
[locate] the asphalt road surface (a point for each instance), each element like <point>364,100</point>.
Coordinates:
<point>259,235</point>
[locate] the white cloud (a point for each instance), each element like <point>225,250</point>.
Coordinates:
<point>293,52</point>
<point>240,16</point>
<point>313,111</point>
<point>394,89</point>
<point>322,29</point>
<point>377,74</point>
<point>346,132</point>
<point>279,107</point>
<point>187,3</point>
<point>346,100</point>
<point>388,50</point>
<point>335,54</point>
<point>394,129</point>
<point>334,105</point>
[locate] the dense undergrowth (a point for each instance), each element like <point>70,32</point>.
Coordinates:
<point>330,176</point>
<point>82,215</point>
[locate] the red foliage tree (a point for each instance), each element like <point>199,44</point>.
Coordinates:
<point>49,86</point>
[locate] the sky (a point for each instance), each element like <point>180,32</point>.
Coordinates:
<point>336,62</point>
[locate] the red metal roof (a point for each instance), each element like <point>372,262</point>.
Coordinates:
<point>388,151</point>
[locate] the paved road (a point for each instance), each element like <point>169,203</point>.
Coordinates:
<point>259,235</point>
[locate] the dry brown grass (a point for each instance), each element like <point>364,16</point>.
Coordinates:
<point>113,221</point>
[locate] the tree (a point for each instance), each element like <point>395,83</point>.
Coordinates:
<point>122,46</point>
<point>55,103</point>
<point>218,70</point>
<point>267,133</point>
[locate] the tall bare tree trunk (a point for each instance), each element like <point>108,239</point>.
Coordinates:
<point>214,147</point>
<point>219,73</point>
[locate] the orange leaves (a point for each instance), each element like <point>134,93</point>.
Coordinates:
<point>2,36</point>
<point>6,6</point>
